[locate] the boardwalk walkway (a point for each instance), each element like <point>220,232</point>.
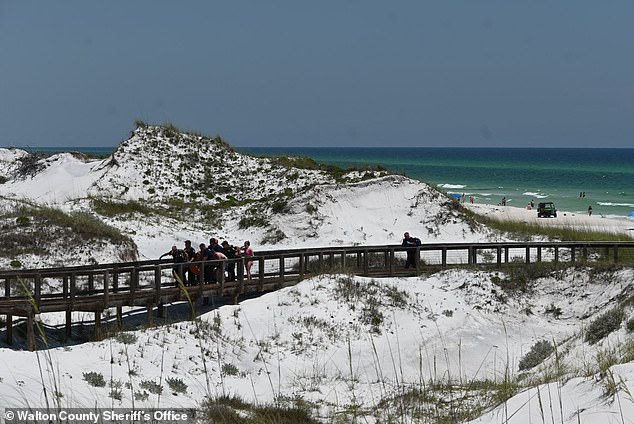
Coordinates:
<point>151,284</point>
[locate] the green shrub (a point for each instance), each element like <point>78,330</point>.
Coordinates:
<point>540,351</point>
<point>233,410</point>
<point>229,369</point>
<point>273,236</point>
<point>176,385</point>
<point>151,387</point>
<point>252,221</point>
<point>604,325</point>
<point>141,396</point>
<point>95,379</point>
<point>279,206</point>
<point>126,338</point>
<point>170,131</point>
<point>630,325</point>
<point>23,221</point>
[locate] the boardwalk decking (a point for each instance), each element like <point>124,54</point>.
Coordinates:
<point>151,284</point>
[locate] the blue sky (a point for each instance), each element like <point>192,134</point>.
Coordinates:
<point>327,73</point>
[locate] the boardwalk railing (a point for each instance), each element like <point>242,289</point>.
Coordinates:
<point>151,284</point>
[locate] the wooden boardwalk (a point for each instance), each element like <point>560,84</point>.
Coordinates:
<point>151,284</point>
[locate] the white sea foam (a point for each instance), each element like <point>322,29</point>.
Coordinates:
<point>630,205</point>
<point>538,195</point>
<point>452,185</point>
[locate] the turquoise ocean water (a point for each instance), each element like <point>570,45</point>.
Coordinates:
<point>572,178</point>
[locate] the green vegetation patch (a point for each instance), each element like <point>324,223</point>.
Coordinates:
<point>539,351</point>
<point>233,410</point>
<point>605,324</point>
<point>111,208</point>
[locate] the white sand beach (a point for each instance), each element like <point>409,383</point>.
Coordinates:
<point>564,219</point>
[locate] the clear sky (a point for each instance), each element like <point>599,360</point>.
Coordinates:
<point>321,73</point>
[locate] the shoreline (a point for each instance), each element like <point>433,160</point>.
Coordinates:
<point>612,224</point>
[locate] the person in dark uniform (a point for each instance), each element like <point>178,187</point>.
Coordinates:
<point>191,255</point>
<point>178,257</point>
<point>412,243</point>
<point>231,252</point>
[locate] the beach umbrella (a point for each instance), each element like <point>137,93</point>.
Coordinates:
<point>458,195</point>
<point>631,214</point>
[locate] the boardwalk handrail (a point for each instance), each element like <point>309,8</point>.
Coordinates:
<point>151,283</point>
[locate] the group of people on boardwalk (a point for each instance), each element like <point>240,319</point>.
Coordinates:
<point>197,271</point>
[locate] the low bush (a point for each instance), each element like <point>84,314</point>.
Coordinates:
<point>95,379</point>
<point>604,325</point>
<point>151,387</point>
<point>540,351</point>
<point>176,385</point>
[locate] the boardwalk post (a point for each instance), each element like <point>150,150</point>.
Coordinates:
<point>301,266</point>
<point>7,294</point>
<point>30,331</point>
<point>38,288</point>
<point>366,263</point>
<point>391,259</point>
<point>240,289</point>
<point>499,256</point>
<point>157,288</point>
<point>616,253</point>
<point>9,329</point>
<point>260,272</point>
<point>115,279</point>
<point>106,289</point>
<point>539,253</point>
<point>443,257</point>
<point>282,271</point>
<point>528,254</point>
<point>149,309</point>
<point>417,260</point>
<point>98,325</point>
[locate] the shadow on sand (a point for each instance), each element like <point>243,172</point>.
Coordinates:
<point>133,318</point>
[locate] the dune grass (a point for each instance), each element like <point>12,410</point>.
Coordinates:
<point>526,231</point>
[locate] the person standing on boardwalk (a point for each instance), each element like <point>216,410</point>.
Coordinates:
<point>247,253</point>
<point>231,252</point>
<point>190,254</point>
<point>178,257</point>
<point>411,243</point>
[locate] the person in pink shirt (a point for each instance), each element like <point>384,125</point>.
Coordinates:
<point>247,252</point>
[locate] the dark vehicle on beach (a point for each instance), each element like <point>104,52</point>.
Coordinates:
<point>546,210</point>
